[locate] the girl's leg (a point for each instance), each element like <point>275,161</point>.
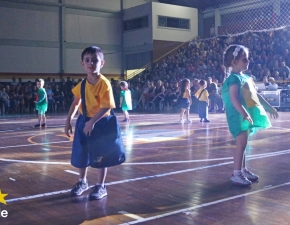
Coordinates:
<point>39,119</point>
<point>239,153</point>
<point>187,114</point>
<point>181,114</point>
<point>126,114</point>
<point>238,177</point>
<point>43,120</point>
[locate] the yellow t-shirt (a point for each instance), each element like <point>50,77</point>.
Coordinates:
<point>186,94</point>
<point>203,96</point>
<point>98,96</point>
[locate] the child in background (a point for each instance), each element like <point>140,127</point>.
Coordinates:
<point>185,100</point>
<point>203,102</point>
<point>245,109</point>
<point>41,103</point>
<point>125,100</point>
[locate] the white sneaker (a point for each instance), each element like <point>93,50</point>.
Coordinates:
<point>187,121</point>
<point>240,179</point>
<point>181,121</point>
<point>249,175</point>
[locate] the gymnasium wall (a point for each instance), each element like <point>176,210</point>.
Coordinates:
<point>47,37</point>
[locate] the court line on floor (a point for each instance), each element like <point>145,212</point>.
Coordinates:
<point>121,181</point>
<point>48,143</point>
<point>154,163</point>
<point>134,179</point>
<point>130,215</point>
<point>204,205</point>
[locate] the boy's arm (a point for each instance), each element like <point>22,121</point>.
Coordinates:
<point>41,96</point>
<point>268,107</point>
<point>72,111</point>
<point>234,95</point>
<point>90,124</point>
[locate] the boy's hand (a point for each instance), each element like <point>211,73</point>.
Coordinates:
<point>68,128</point>
<point>89,126</point>
<point>273,113</point>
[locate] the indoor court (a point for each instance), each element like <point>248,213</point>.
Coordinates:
<point>174,174</point>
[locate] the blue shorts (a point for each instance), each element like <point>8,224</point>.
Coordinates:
<point>184,103</point>
<point>88,150</point>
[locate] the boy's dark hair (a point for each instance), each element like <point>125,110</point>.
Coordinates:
<point>93,50</point>
<point>202,82</point>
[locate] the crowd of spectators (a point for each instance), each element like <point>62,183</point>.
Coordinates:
<point>18,96</point>
<point>157,87</point>
<point>202,59</point>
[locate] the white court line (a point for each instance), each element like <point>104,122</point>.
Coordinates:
<point>157,163</point>
<point>73,172</point>
<point>47,143</point>
<point>204,205</point>
<point>131,215</point>
<point>134,179</point>
<point>121,181</point>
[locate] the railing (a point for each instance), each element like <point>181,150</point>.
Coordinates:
<point>161,57</point>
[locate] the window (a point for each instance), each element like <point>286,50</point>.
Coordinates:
<point>136,23</point>
<point>164,21</point>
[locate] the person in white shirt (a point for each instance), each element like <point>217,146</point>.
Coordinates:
<point>272,86</point>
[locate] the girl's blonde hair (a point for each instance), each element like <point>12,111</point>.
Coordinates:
<point>41,81</point>
<point>124,84</point>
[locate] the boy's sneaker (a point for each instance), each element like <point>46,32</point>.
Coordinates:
<point>188,121</point>
<point>240,179</point>
<point>206,120</point>
<point>37,125</point>
<point>249,175</point>
<point>43,125</point>
<point>98,192</point>
<point>79,188</point>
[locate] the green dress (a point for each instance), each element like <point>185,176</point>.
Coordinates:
<point>41,103</point>
<point>127,101</point>
<point>250,101</point>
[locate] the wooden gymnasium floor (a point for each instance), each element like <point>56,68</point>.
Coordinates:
<point>174,174</point>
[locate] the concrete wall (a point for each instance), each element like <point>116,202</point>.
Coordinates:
<point>174,34</point>
<point>44,36</point>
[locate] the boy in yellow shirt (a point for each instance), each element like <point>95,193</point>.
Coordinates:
<point>99,101</point>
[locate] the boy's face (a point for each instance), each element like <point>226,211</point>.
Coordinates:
<point>92,63</point>
<point>38,85</point>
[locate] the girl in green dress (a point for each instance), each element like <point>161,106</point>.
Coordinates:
<point>41,103</point>
<point>245,109</point>
<point>125,100</point>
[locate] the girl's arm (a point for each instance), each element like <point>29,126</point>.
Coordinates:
<point>189,98</point>
<point>268,107</point>
<point>234,95</point>
<point>121,101</point>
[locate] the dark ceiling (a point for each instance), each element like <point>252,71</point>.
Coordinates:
<point>200,4</point>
